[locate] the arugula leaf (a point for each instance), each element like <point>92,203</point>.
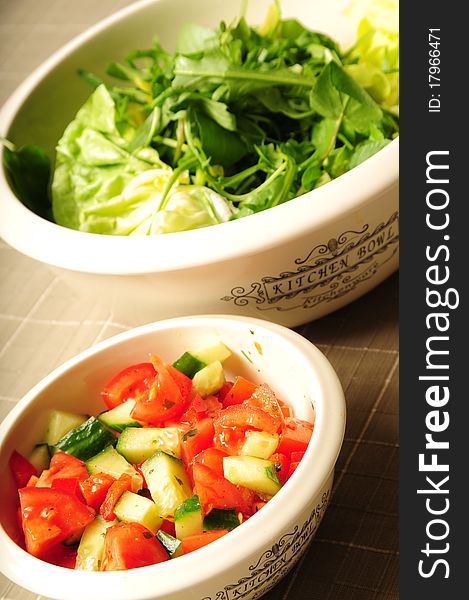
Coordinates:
<point>224,147</point>
<point>366,150</point>
<point>194,38</point>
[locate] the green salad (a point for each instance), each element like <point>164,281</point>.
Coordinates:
<point>237,120</point>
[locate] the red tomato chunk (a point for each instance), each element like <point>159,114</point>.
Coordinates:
<point>130,545</point>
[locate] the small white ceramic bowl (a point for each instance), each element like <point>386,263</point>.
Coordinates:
<point>250,559</point>
<point>290,264</point>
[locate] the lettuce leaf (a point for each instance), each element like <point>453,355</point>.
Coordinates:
<point>93,166</point>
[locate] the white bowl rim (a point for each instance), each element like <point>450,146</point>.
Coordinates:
<point>123,255</point>
<point>43,577</point>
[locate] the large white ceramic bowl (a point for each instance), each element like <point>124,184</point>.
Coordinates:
<point>290,264</point>
<point>247,561</point>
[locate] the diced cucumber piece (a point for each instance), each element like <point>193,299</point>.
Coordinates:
<point>167,481</point>
<point>188,364</point>
<point>188,518</point>
<point>60,423</point>
<point>111,462</point>
<point>138,509</point>
<point>137,444</point>
<point>218,518</point>
<point>40,457</point>
<point>86,440</point>
<point>90,550</point>
<point>209,380</point>
<point>119,418</point>
<point>171,544</point>
<point>209,354</point>
<point>257,474</point>
<point>260,444</point>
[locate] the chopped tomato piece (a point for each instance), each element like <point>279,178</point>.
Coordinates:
<point>241,390</point>
<point>62,556</point>
<point>183,382</point>
<point>215,491</point>
<point>22,470</point>
<point>264,397</point>
<point>131,383</point>
<point>247,417</point>
<point>168,527</point>
<point>197,439</point>
<point>223,391</point>
<point>32,481</point>
<point>232,423</point>
<point>295,436</point>
<point>297,456</point>
<point>213,406</point>
<point>95,488</point>
<point>194,542</point>
<point>213,459</point>
<point>71,485</point>
<point>115,491</point>
<point>292,469</point>
<point>281,466</point>
<point>195,410</point>
<point>129,546</point>
<point>164,400</point>
<point>62,466</point>
<point>49,516</point>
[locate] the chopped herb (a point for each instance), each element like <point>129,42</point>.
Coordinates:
<point>246,356</point>
<point>189,434</point>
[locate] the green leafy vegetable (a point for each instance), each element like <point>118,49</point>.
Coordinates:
<point>238,120</point>
<point>29,171</point>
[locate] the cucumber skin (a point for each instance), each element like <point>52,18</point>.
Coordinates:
<point>108,417</point>
<point>189,364</point>
<point>189,506</point>
<point>218,518</point>
<point>87,440</point>
<point>171,544</point>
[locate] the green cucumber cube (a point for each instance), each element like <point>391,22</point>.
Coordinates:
<point>86,440</point>
<point>120,417</point>
<point>254,473</point>
<point>61,422</point>
<point>91,547</point>
<point>167,481</point>
<point>209,354</point>
<point>137,509</point>
<point>188,364</point>
<point>260,444</point>
<point>188,518</point>
<point>137,444</point>
<point>209,380</point>
<point>111,462</point>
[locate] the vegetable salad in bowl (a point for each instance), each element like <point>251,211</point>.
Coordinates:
<point>180,458</point>
<point>236,120</point>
